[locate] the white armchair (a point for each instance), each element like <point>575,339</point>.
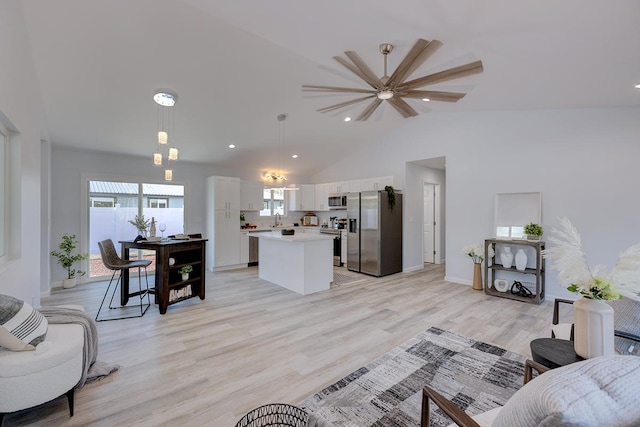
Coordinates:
<point>30,378</point>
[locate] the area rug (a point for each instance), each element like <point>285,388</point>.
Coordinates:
<point>388,391</point>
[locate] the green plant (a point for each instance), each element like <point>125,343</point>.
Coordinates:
<point>242,217</point>
<point>391,195</point>
<point>186,269</point>
<point>65,259</point>
<point>140,223</point>
<point>533,229</point>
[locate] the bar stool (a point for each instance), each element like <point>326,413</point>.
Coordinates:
<point>113,262</point>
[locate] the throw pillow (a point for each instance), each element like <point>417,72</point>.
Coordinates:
<point>595,392</point>
<point>22,327</point>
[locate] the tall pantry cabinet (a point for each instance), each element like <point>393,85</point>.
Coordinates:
<point>223,221</point>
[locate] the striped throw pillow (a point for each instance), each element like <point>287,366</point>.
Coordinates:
<point>22,327</point>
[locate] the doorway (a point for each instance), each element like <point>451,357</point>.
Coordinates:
<point>431,223</point>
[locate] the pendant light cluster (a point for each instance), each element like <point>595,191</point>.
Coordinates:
<point>280,175</point>
<point>165,100</point>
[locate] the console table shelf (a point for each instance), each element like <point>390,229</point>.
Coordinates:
<point>491,269</point>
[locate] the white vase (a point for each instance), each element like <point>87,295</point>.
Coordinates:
<point>521,260</point>
<point>185,276</point>
<point>506,257</point>
<point>593,328</point>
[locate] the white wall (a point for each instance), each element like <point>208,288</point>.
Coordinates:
<point>583,161</point>
<point>21,111</point>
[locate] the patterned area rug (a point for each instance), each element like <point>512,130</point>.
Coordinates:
<point>388,392</point>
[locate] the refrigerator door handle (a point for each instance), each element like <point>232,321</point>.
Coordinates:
<point>353,225</point>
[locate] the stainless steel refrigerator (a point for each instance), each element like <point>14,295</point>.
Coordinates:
<point>374,237</point>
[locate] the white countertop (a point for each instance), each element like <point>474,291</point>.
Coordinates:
<point>298,237</point>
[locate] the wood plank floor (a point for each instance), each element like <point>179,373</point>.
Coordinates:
<point>251,342</point>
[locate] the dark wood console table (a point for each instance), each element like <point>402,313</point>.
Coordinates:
<point>169,286</point>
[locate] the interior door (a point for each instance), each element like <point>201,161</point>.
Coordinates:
<point>428,228</point>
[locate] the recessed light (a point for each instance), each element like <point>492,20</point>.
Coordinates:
<point>347,119</point>
<point>232,146</point>
<point>638,86</point>
<point>426,99</point>
<point>295,156</point>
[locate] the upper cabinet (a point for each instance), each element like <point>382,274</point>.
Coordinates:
<point>322,197</point>
<point>371,184</point>
<point>340,187</point>
<point>302,199</point>
<point>226,193</point>
<point>251,195</point>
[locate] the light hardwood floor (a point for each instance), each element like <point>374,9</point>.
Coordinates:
<point>251,342</point>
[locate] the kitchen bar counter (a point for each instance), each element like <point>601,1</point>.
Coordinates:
<point>302,263</point>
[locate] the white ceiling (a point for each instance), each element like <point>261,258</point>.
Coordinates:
<point>236,65</point>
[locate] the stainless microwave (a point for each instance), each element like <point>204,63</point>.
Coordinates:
<point>337,201</point>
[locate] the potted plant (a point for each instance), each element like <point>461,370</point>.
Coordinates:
<point>140,224</point>
<point>533,231</point>
<point>185,270</point>
<point>66,259</point>
<point>391,196</point>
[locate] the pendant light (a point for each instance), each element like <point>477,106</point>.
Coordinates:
<point>165,100</point>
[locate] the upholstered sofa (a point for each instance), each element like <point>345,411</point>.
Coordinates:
<point>30,378</point>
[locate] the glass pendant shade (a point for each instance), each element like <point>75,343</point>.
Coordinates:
<point>157,159</point>
<point>163,137</point>
<point>168,175</point>
<point>173,154</point>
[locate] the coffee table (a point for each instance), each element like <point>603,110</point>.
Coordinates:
<point>553,353</point>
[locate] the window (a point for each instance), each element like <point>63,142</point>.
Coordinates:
<point>112,204</point>
<point>273,202</point>
<point>103,202</point>
<point>159,203</point>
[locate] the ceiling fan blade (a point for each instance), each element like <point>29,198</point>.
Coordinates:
<point>312,88</point>
<point>369,110</point>
<point>344,104</point>
<point>433,95</point>
<point>371,77</point>
<point>443,76</point>
<point>402,107</point>
<point>419,53</point>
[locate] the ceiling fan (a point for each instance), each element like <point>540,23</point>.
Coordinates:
<point>395,87</point>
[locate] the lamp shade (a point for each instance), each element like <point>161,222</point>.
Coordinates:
<point>157,159</point>
<point>168,175</point>
<point>163,138</point>
<point>173,153</point>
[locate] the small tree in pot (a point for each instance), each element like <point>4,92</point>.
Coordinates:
<point>185,270</point>
<point>66,259</point>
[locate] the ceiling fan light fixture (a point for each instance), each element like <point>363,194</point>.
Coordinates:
<point>385,94</point>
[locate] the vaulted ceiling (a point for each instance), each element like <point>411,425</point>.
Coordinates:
<point>236,65</point>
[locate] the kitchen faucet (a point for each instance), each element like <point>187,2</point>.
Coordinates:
<point>278,218</point>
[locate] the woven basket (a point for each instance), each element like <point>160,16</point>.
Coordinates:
<point>274,414</point>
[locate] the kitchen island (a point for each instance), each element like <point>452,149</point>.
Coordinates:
<point>302,263</point>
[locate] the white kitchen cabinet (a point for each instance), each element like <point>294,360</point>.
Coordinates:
<point>251,195</point>
<point>226,191</point>
<point>322,197</point>
<point>222,221</point>
<point>339,187</point>
<point>371,184</point>
<point>303,199</point>
<point>244,247</point>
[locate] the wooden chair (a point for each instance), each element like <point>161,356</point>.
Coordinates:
<point>598,391</point>
<point>113,262</point>
<point>457,415</point>
<point>626,323</point>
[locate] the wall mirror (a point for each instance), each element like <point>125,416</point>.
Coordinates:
<point>513,211</point>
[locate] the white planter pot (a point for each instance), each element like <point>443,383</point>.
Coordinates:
<point>69,283</point>
<point>593,328</point>
<point>185,276</point>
